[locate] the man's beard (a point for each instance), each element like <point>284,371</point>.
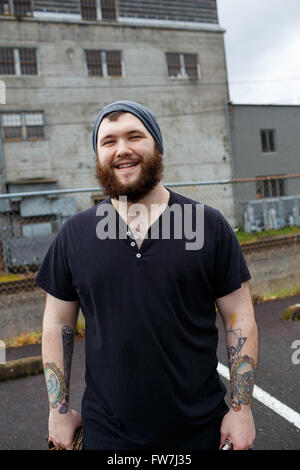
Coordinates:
<point>150,174</point>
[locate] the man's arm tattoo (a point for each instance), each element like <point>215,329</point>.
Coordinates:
<point>58,383</point>
<point>242,370</point>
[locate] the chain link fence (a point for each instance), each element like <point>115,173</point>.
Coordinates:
<point>264,213</point>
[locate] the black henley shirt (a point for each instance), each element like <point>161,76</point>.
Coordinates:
<point>150,314</point>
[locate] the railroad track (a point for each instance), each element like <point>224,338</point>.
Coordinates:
<point>271,243</point>
<point>17,286</point>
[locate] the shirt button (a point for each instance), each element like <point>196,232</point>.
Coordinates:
<point>138,255</point>
<point>132,244</point>
<point>128,233</point>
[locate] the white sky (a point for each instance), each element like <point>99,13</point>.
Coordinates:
<point>262,45</point>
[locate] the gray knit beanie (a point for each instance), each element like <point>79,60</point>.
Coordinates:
<point>140,111</point>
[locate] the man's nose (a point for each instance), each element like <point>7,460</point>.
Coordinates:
<point>123,148</point>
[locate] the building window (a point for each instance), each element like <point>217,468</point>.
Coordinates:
<point>267,140</point>
<point>88,9</point>
<point>174,67</point>
<point>18,61</point>
<point>190,65</point>
<point>94,63</point>
<point>7,61</point>
<point>98,9</point>
<point>23,126</point>
<point>270,187</point>
<point>104,63</point>
<point>16,7</point>
<point>12,126</point>
<point>114,65</point>
<point>182,65</point>
<point>28,61</point>
<point>108,9</point>
<point>34,126</point>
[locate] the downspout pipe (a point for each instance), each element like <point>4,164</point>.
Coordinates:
<point>2,164</point>
<point>234,191</point>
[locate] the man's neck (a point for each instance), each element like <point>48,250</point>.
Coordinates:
<point>158,196</point>
<point>142,214</point>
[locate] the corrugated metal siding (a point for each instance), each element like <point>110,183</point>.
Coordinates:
<point>58,6</point>
<point>190,10</point>
<point>203,11</point>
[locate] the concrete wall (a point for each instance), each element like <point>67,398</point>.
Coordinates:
<point>191,113</point>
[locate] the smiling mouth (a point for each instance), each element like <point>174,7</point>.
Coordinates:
<point>126,165</point>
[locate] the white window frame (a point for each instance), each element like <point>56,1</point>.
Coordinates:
<point>104,65</point>
<point>18,62</point>
<point>99,12</point>
<point>22,117</point>
<point>12,9</point>
<point>183,75</point>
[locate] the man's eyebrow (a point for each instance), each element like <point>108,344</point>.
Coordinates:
<point>135,131</point>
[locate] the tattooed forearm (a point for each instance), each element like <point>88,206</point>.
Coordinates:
<point>58,383</point>
<point>242,370</point>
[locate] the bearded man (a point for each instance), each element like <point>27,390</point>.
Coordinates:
<point>148,299</point>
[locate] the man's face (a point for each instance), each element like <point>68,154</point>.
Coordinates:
<point>128,162</point>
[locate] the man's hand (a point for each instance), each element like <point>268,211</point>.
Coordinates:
<point>62,428</point>
<point>238,427</point>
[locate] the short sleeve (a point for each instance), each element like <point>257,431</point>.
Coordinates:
<point>230,269</point>
<point>55,275</point>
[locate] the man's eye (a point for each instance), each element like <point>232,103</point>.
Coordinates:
<point>135,136</point>
<point>108,142</point>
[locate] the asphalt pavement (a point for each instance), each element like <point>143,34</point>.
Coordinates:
<point>24,404</point>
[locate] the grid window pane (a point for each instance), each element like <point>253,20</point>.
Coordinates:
<point>259,190</point>
<point>274,188</point>
<point>34,119</point>
<point>35,132</point>
<point>12,126</point>
<point>190,64</point>
<point>12,133</point>
<point>22,7</point>
<point>4,7</point>
<point>94,63</point>
<point>11,120</point>
<point>113,62</point>
<point>266,188</point>
<point>88,9</point>
<point>281,187</point>
<point>28,61</point>
<point>7,61</point>
<point>173,62</point>
<point>108,10</point>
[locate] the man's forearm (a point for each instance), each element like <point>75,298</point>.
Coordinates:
<point>242,350</point>
<point>57,350</point>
